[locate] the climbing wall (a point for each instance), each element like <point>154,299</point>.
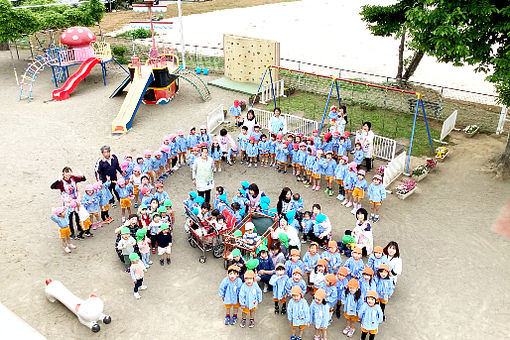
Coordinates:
<point>246,58</point>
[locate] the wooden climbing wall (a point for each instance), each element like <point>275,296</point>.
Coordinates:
<point>246,58</point>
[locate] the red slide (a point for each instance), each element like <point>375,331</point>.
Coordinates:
<point>64,92</point>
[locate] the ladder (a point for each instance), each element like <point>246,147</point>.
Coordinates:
<point>196,81</point>
<point>31,73</point>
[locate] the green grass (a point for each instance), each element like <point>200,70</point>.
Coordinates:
<point>386,123</point>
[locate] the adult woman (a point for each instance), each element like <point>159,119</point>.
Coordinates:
<point>365,136</point>
<point>284,201</point>
<point>250,121</point>
<point>291,232</point>
<point>254,195</point>
<point>277,123</point>
<point>202,174</point>
<point>108,165</point>
<point>392,251</point>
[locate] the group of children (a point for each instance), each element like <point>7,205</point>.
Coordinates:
<point>361,291</point>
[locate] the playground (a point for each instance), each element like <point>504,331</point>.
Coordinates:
<point>455,266</point>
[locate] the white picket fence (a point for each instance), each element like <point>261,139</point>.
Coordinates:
<point>448,126</point>
<point>215,118</point>
<point>293,124</point>
<point>394,169</point>
<point>503,117</point>
<point>384,148</point>
<point>266,94</point>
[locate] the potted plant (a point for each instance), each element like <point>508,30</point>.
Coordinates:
<point>471,130</point>
<point>406,189</point>
<point>441,153</point>
<point>380,171</point>
<point>242,104</point>
<point>431,164</point>
<point>419,173</point>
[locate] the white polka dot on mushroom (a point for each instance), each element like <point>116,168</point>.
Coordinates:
<point>69,30</point>
<point>80,30</point>
<point>90,35</point>
<point>75,37</point>
<point>63,35</point>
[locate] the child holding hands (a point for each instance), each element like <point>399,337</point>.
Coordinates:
<point>250,296</point>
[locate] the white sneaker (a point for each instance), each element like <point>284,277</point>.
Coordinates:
<point>67,250</point>
<point>143,287</point>
<point>72,246</point>
<point>137,295</point>
<point>150,262</point>
<point>265,288</point>
<point>249,165</point>
<point>349,204</point>
<point>353,211</point>
<point>219,170</point>
<point>255,164</point>
<point>345,202</point>
<point>214,170</point>
<point>346,330</point>
<point>123,219</point>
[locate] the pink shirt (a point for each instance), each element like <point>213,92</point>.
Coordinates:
<point>143,245</point>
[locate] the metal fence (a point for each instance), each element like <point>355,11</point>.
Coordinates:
<point>215,118</point>
<point>294,124</point>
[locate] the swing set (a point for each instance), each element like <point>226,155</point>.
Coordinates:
<point>334,85</point>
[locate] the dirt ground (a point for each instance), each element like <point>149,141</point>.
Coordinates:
<point>454,283</point>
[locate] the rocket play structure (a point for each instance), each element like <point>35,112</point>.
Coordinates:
<point>155,81</point>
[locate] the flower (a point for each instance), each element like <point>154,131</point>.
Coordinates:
<point>471,129</point>
<point>441,152</point>
<point>431,163</point>
<point>419,170</point>
<point>380,170</point>
<point>406,187</point>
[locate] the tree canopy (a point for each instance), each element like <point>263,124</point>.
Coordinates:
<point>16,22</point>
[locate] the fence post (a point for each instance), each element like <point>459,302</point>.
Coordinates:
<point>440,107</point>
<point>299,75</point>
<point>386,91</point>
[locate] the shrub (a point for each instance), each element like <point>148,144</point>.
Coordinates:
<point>139,33</point>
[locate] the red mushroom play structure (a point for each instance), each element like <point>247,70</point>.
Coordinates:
<point>81,49</point>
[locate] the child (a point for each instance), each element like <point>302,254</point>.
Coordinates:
<point>360,186</point>
<point>143,243</point>
<point>250,237</point>
<point>204,136</point>
<point>264,151</point>
<point>355,264</point>
<point>358,154</point>
<point>61,217</point>
<point>327,144</point>
<point>182,146</point>
<point>295,280</point>
<point>238,260</point>
<point>265,269</point>
<point>105,195</point>
<point>371,315</point>
<point>156,165</point>
<point>331,292</point>
<point>240,198</point>
<point>316,139</point>
<point>351,300</point>
<point>252,151</point>
<point>136,180</point>
<point>335,142</point>
<point>332,256</point>
<point>294,262</point>
<point>164,244</point>
<point>318,274</point>
<point>291,214</point>
<point>310,260</point>
<point>278,281</point>
<point>192,157</point>
<point>340,172</point>
<point>319,317</point>
<point>146,183</point>
<point>317,170</point>
<point>163,163</point>
<point>137,272</point>
<point>146,196</point>
<point>281,157</point>
<point>243,139</point>
<point>349,181</point>
<point>367,283</point>
<point>125,191</point>
<point>235,110</point>
<point>192,140</point>
<point>294,158</point>
<point>143,214</point>
<point>229,293</point>
<point>147,164</point>
<point>174,152</point>
<point>301,160</point>
<point>377,258</point>
<point>154,229</point>
<point>376,194</point>
<point>272,149</point>
<point>341,285</point>
<point>309,165</point>
<point>232,154</point>
<point>160,194</point>
<point>169,212</point>
<point>348,143</point>
<point>91,202</point>
<point>250,296</point>
<point>342,147</point>
<point>307,225</point>
<point>216,155</point>
<point>329,172</point>
<point>226,143</point>
<point>321,232</point>
<point>190,201</point>
<point>298,312</point>
<point>384,286</point>
<point>126,245</point>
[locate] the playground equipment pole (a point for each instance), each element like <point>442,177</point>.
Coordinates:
<point>268,67</point>
<point>419,103</point>
<point>327,104</point>
<point>272,88</point>
<point>182,32</point>
<point>338,95</point>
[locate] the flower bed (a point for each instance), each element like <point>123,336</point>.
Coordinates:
<point>406,189</point>
<point>471,130</point>
<point>431,164</point>
<point>441,153</point>
<point>420,172</point>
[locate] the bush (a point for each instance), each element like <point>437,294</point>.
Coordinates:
<point>139,33</point>
<point>119,51</point>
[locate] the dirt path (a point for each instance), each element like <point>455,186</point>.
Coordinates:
<point>456,270</point>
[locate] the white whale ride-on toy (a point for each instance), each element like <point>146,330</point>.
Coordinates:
<point>88,311</point>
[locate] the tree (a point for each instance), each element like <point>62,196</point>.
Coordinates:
<point>15,22</point>
<point>392,21</point>
<point>474,32</point>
